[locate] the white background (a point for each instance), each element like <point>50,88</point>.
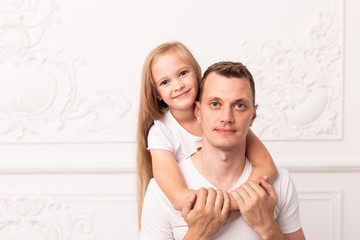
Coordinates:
<point>70,76</point>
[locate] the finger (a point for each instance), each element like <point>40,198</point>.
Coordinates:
<point>201,198</point>
<point>211,198</point>
<point>188,205</point>
<point>219,200</point>
<point>238,198</point>
<point>226,205</point>
<point>257,188</point>
<point>246,192</point>
<point>269,189</point>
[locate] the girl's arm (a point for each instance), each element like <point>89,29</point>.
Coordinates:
<point>168,176</point>
<point>171,181</point>
<point>260,158</point>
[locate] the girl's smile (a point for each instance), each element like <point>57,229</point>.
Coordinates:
<point>182,95</point>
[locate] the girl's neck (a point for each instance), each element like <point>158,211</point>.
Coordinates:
<point>186,118</point>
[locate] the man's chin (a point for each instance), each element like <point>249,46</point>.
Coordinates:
<point>227,147</point>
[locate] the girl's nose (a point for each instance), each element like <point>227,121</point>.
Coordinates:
<point>179,84</point>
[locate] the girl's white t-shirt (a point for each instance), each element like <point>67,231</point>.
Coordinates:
<point>168,134</point>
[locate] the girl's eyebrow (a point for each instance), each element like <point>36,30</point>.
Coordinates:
<point>159,80</point>
<point>184,67</point>
<point>187,67</point>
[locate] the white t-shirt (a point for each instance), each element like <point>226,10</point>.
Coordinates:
<point>161,221</point>
<point>168,134</point>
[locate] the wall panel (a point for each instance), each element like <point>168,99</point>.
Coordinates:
<point>70,75</point>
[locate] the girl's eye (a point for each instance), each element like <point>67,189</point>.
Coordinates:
<point>214,104</point>
<point>183,73</point>
<point>164,82</point>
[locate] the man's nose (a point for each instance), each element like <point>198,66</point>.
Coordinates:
<point>227,115</point>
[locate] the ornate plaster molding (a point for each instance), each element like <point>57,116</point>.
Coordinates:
<point>42,218</point>
<point>299,86</point>
<point>41,100</point>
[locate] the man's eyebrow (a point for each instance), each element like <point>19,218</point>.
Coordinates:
<point>213,99</point>
<point>241,100</point>
<point>235,101</point>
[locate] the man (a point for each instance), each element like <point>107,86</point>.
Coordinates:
<point>226,110</point>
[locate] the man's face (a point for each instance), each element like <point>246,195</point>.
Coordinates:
<point>226,111</point>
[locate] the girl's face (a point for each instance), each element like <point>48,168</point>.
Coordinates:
<point>175,81</point>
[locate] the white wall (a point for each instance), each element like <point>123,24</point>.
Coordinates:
<point>70,76</point>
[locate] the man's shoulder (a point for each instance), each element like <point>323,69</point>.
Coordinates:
<point>153,190</point>
<point>283,177</point>
<point>283,172</point>
<point>155,196</point>
<point>158,214</point>
<point>284,186</point>
<point>153,187</point>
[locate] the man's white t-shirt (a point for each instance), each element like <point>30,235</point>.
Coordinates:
<point>168,134</point>
<point>161,221</point>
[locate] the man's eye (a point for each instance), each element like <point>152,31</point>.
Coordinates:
<point>164,82</point>
<point>183,73</point>
<point>240,106</point>
<point>214,104</point>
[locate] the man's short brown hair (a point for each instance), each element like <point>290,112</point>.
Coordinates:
<point>228,69</point>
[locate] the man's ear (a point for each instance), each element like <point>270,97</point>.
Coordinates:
<point>253,115</point>
<point>197,111</point>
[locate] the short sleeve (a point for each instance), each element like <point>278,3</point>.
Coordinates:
<point>155,222</point>
<point>159,138</point>
<point>289,214</point>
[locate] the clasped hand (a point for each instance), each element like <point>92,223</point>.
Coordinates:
<point>205,213</point>
<point>256,203</point>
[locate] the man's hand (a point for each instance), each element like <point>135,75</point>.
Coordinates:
<point>257,203</point>
<point>208,214</point>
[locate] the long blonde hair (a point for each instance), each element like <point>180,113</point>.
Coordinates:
<point>150,109</point>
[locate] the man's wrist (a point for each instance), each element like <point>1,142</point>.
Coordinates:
<point>191,235</point>
<point>271,231</point>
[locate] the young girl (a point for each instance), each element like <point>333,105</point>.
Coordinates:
<point>168,127</point>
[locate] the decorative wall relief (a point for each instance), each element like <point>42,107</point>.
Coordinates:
<point>43,98</point>
<point>41,219</point>
<point>40,96</point>
<point>299,86</point>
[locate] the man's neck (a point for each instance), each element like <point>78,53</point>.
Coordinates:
<point>221,168</point>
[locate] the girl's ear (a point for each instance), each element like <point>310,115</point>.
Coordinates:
<point>197,111</point>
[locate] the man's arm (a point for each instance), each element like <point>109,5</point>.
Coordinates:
<point>257,204</point>
<point>208,214</point>
<point>298,235</point>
